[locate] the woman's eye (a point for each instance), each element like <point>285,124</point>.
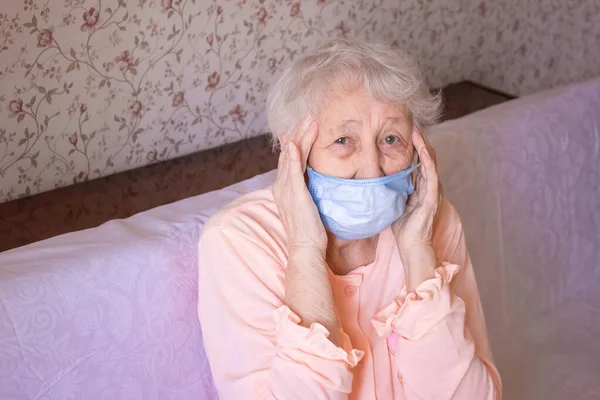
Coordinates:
<point>391,139</point>
<point>342,140</point>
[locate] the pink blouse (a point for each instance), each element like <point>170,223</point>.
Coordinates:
<point>395,345</point>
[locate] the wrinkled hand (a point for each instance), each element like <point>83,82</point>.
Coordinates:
<point>297,211</point>
<point>414,230</point>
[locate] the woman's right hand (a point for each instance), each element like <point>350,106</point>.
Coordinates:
<point>297,211</point>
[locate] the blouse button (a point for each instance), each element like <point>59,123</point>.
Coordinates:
<point>350,291</point>
<point>400,378</point>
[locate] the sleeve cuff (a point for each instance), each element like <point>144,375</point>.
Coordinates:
<point>412,316</point>
<point>314,340</point>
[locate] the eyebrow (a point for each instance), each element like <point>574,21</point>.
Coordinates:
<point>348,122</point>
<point>396,119</point>
<point>344,124</point>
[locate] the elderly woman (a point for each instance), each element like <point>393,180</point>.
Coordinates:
<point>348,278</point>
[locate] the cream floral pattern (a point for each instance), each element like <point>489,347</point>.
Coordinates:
<point>89,88</point>
<point>521,47</point>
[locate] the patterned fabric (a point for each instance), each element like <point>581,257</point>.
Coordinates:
<point>111,312</point>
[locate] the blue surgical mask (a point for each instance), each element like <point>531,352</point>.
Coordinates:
<point>355,209</point>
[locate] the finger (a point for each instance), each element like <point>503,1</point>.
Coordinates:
<point>431,182</point>
<point>421,137</point>
<point>418,142</point>
<point>421,179</point>
<point>282,172</point>
<point>420,186</point>
<point>282,158</point>
<point>295,172</point>
<point>301,128</point>
<point>306,142</point>
<point>304,137</point>
<point>416,176</point>
<point>430,148</point>
<point>294,134</point>
<point>433,155</point>
<point>424,152</point>
<point>283,164</point>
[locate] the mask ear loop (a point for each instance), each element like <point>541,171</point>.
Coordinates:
<point>416,159</point>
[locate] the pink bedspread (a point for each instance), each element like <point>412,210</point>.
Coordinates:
<point>110,313</point>
<point>525,177</point>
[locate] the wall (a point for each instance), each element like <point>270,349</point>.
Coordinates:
<point>523,46</point>
<point>90,88</point>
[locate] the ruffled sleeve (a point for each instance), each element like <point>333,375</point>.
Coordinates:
<point>256,348</point>
<point>293,340</point>
<point>434,354</point>
<point>414,315</point>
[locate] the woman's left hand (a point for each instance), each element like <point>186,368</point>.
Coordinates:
<point>414,229</point>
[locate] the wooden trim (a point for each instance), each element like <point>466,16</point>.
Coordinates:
<point>489,89</point>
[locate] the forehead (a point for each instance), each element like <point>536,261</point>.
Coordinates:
<point>345,109</point>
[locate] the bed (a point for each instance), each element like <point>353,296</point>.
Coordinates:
<point>110,312</point>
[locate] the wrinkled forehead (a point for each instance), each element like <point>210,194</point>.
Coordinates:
<point>343,110</point>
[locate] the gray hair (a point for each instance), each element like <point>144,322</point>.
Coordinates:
<point>389,74</point>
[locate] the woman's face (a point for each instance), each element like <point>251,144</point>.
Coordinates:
<point>361,138</point>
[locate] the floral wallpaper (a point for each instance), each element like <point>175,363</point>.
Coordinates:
<point>93,87</point>
<point>89,88</point>
<point>521,47</point>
